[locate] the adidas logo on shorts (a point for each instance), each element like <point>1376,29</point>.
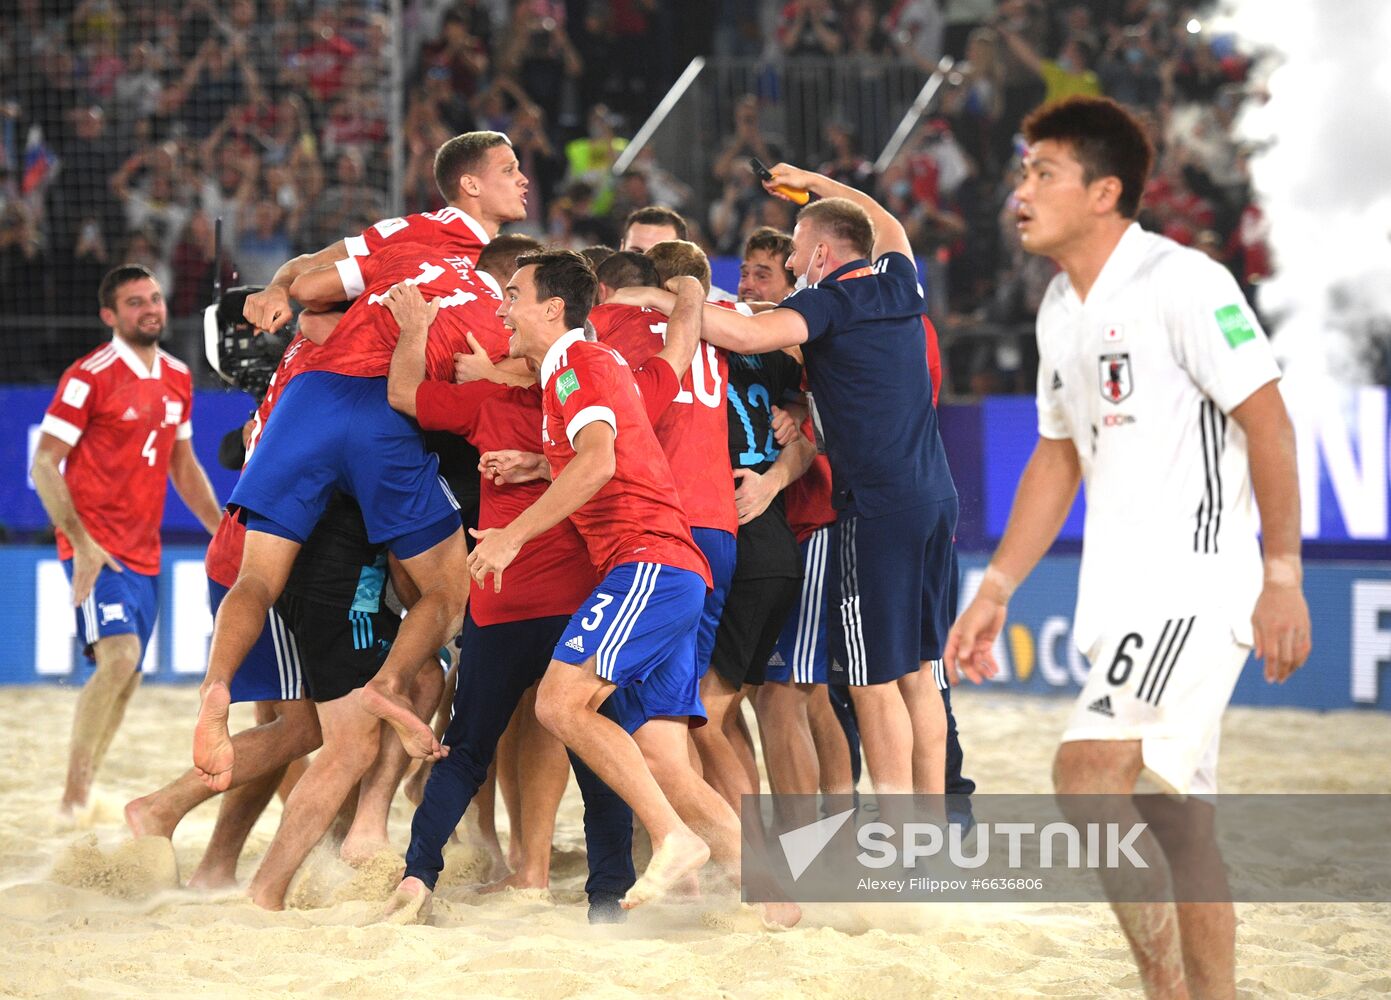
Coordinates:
<point>576,643</point>
<point>1102,706</point>
<point>776,660</point>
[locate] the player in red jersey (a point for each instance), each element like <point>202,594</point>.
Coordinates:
<point>507,643</point>
<point>633,639</point>
<point>483,186</point>
<point>122,421</point>
<point>334,427</point>
<point>694,433</point>
<point>694,430</point>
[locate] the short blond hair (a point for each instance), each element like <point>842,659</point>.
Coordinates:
<point>843,221</point>
<point>676,258</point>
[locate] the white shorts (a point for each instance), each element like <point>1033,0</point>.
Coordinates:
<point>1166,684</point>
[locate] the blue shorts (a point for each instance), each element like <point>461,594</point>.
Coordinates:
<point>331,431</point>
<point>119,604</point>
<point>272,671</point>
<point>801,654</point>
<point>639,627</point>
<point>721,551</point>
<point>892,592</point>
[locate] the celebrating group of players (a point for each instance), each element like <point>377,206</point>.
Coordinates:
<point>674,502</point>
<point>645,505</point>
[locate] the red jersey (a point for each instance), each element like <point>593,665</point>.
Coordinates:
<point>552,574</point>
<point>635,516</point>
<point>121,420</point>
<point>223,561</point>
<point>449,229</point>
<point>694,432</point>
<point>808,499</point>
<point>362,342</point>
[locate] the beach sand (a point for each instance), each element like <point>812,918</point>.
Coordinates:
<point>87,912</point>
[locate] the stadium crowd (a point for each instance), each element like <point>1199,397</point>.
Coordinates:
<point>129,125</point>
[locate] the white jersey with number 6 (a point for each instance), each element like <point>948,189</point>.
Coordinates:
<point>1141,377</point>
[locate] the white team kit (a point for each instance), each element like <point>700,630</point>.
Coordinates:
<point>1141,378</point>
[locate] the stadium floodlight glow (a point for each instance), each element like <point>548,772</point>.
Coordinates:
<point>1194,26</point>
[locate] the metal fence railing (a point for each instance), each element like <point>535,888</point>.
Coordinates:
<point>797,99</point>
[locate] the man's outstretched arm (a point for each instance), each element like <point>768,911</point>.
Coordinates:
<point>269,309</point>
<point>889,234</point>
<point>767,331</point>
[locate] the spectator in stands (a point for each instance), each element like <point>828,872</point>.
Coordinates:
<point>192,265</point>
<point>229,186</point>
<point>83,266</point>
<point>538,54</point>
<point>962,17</point>
<point>539,160</point>
<point>844,163</point>
<point>460,53</point>
<point>1068,74</point>
<point>809,28</point>
<point>747,141</point>
<point>357,121</point>
<point>349,206</point>
<point>323,62</point>
<point>976,105</point>
<point>137,91</point>
<point>152,204</point>
<point>730,216</point>
<point>219,78</point>
<point>497,106</point>
<point>665,187</point>
<point>591,157</point>
<point>24,266</point>
<point>865,37</point>
<point>915,29</point>
<point>265,245</point>
<point>141,248</point>
<point>1129,71</point>
<point>78,194</point>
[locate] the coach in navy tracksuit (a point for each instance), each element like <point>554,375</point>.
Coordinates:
<point>858,317</point>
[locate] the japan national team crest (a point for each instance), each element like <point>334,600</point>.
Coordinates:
<point>1116,381</point>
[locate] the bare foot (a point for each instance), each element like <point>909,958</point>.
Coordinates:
<point>395,710</point>
<point>267,901</point>
<point>213,877</point>
<point>144,818</point>
<point>680,853</point>
<point>212,746</point>
<point>517,880</point>
<point>779,916</point>
<point>410,903</point>
<point>358,850</point>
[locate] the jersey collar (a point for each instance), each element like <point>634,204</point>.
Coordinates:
<point>1119,265</point>
<point>475,226</point>
<point>556,355</point>
<point>490,281</point>
<point>127,354</point>
<point>844,271</point>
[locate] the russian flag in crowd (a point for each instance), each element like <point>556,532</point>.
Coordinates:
<point>38,161</point>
